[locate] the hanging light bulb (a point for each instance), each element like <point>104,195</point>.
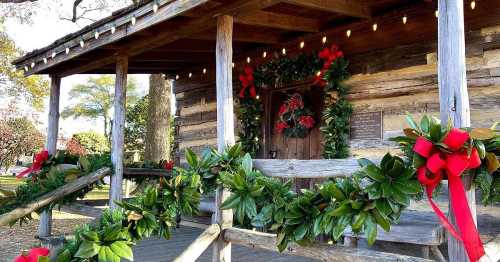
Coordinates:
<point>348,33</point>
<point>472,4</point>
<point>133,20</point>
<point>45,60</point>
<point>436,13</point>
<point>67,50</point>
<point>302,44</point>
<point>155,7</point>
<point>256,139</point>
<point>264,54</point>
<point>323,40</point>
<point>82,44</point>
<point>283,51</point>
<point>374,27</point>
<point>53,55</point>
<point>32,64</point>
<point>405,19</point>
<point>318,73</point>
<point>204,70</point>
<point>190,75</point>
<point>176,77</point>
<point>257,97</point>
<point>248,60</point>
<point>96,35</point>
<point>26,68</point>
<point>233,64</point>
<point>113,29</point>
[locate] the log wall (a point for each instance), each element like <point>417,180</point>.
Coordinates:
<point>392,81</point>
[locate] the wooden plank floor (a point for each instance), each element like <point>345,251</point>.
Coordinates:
<point>156,250</point>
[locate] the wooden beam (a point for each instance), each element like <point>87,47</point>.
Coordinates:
<point>57,194</point>
<point>225,124</point>
<point>336,253</point>
<point>144,16</point>
<point>293,168</point>
<point>254,36</point>
<point>200,244</point>
<point>453,95</point>
<point>280,21</point>
<point>117,148</point>
<point>356,8</point>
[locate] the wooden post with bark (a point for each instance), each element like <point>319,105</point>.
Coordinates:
<point>115,192</point>
<point>225,124</point>
<point>453,95</point>
<point>45,226</point>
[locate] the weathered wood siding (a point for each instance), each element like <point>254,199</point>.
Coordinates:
<point>392,81</point>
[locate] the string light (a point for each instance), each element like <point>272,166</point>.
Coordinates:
<point>256,139</point>
<point>473,5</point>
<point>248,60</point>
<point>232,65</point>
<point>302,44</point>
<point>283,51</point>
<point>32,64</point>
<point>257,97</point>
<point>45,60</point>
<point>436,13</point>
<point>113,29</point>
<point>374,27</point>
<point>264,54</point>
<point>318,73</point>
<point>133,20</point>
<point>155,7</point>
<point>190,75</point>
<point>348,33</point>
<point>204,70</point>
<point>82,44</point>
<point>53,55</point>
<point>26,68</point>
<point>96,35</point>
<point>405,19</point>
<point>323,40</point>
<point>67,50</point>
<point>176,77</point>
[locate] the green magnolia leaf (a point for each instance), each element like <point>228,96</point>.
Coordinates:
<point>191,158</point>
<point>374,173</point>
<point>381,220</point>
<point>107,255</point>
<point>359,220</point>
<point>425,124</point>
<point>345,208</point>
<point>123,250</point>
<point>370,230</point>
<point>411,122</point>
<point>231,202</point>
<point>111,233</point>
<point>435,133</point>
<point>387,189</point>
<point>300,232</point>
<point>90,236</point>
<point>408,187</point>
<point>87,249</point>
<point>492,162</point>
<point>64,256</point>
<point>482,133</point>
<point>43,259</point>
<point>246,163</point>
<point>418,161</point>
<point>85,163</point>
<point>339,228</point>
<point>387,162</point>
<point>480,149</point>
<point>364,162</point>
<point>400,197</point>
<point>383,206</point>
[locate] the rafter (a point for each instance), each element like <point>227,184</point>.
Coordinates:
<point>280,21</point>
<point>356,8</point>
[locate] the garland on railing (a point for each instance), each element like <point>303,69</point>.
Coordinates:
<point>329,68</point>
<point>47,174</point>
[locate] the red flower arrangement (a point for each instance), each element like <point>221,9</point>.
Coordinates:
<point>33,255</point>
<point>294,119</point>
<point>328,55</point>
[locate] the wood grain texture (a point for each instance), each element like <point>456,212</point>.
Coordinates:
<point>118,136</point>
<point>225,125</point>
<point>267,241</point>
<point>347,7</point>
<point>294,168</point>
<point>59,193</point>
<point>198,246</point>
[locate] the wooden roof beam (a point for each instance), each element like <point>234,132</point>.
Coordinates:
<point>280,21</point>
<point>355,8</point>
<point>242,36</point>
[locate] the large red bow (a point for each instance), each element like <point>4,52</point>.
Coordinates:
<point>328,55</point>
<point>246,80</point>
<point>32,255</point>
<point>453,164</point>
<point>37,164</point>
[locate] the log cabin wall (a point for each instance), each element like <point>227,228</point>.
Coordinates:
<point>389,82</point>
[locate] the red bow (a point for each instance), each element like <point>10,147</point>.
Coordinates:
<point>32,255</point>
<point>168,165</point>
<point>329,55</point>
<point>246,80</point>
<point>37,164</point>
<point>454,164</point>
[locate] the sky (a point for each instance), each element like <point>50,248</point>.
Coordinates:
<point>46,27</point>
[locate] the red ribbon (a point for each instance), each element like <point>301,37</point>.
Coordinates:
<point>33,255</point>
<point>328,55</point>
<point>246,80</point>
<point>454,164</point>
<point>37,164</point>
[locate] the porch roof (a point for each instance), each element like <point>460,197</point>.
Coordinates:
<point>178,36</point>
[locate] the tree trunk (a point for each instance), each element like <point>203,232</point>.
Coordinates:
<point>157,129</point>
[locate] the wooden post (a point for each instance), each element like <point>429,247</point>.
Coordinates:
<point>225,124</point>
<point>45,226</point>
<point>117,140</point>
<point>453,96</point>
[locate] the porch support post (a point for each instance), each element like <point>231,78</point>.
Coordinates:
<point>225,124</point>
<point>117,138</point>
<point>45,226</point>
<point>453,96</point>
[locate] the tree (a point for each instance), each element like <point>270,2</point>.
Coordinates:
<point>92,142</point>
<point>12,82</point>
<point>135,128</point>
<point>95,99</point>
<point>18,137</point>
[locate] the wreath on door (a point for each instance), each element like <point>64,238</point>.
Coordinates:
<point>295,120</point>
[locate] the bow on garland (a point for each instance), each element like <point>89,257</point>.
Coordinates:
<point>40,158</point>
<point>246,80</point>
<point>34,255</point>
<point>453,161</point>
<point>328,55</point>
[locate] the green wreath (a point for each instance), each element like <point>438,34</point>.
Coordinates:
<point>295,120</point>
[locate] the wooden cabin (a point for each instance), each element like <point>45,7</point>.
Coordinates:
<point>204,45</point>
